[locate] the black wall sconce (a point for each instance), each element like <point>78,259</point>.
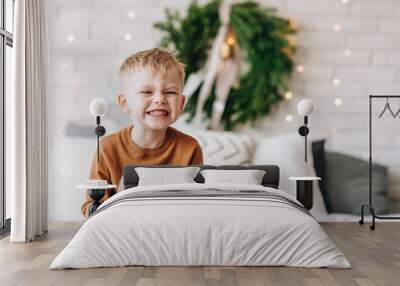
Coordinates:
<point>305,108</point>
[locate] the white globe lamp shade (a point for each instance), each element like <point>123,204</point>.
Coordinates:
<point>305,107</point>
<point>98,107</point>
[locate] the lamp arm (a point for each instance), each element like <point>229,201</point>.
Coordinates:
<point>100,131</point>
<point>303,131</point>
<point>98,137</point>
<point>305,148</point>
<point>305,137</point>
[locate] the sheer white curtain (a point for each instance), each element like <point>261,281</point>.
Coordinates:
<point>27,122</point>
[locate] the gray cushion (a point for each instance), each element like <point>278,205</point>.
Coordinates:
<point>347,184</point>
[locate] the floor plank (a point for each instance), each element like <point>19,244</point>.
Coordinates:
<point>374,255</point>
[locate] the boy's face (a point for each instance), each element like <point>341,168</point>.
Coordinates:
<point>153,100</point>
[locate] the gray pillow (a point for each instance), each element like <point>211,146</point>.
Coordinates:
<point>347,184</point>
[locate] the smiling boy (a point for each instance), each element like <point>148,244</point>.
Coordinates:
<point>152,83</point>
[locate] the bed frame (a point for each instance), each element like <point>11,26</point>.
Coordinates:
<point>270,179</point>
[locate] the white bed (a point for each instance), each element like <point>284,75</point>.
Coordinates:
<point>185,230</point>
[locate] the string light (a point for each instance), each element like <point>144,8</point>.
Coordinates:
<point>336,81</point>
<point>288,95</point>
<point>345,1</point>
<point>347,53</point>
<point>71,38</point>
<point>300,68</point>
<point>131,14</point>
<point>289,118</point>
<point>127,37</point>
<point>227,48</point>
<point>230,41</point>
<point>338,102</point>
<point>337,28</point>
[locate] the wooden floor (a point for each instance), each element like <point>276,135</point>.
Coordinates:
<point>375,257</point>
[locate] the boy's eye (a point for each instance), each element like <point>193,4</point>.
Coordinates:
<point>146,91</point>
<point>172,92</point>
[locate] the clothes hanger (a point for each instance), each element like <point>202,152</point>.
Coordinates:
<point>387,107</point>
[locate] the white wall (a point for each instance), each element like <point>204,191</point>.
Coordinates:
<point>86,69</point>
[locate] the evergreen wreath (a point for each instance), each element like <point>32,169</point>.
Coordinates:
<point>263,40</point>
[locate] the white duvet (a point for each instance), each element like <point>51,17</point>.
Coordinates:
<point>183,231</point>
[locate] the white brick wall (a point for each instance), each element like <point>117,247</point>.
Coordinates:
<point>86,69</point>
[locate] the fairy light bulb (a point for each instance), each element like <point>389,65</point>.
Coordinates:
<point>288,95</point>
<point>338,101</point>
<point>337,28</point>
<point>131,14</point>
<point>336,81</point>
<point>128,37</point>
<point>227,48</point>
<point>71,38</point>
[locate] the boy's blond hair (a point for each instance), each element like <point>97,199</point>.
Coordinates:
<point>159,60</point>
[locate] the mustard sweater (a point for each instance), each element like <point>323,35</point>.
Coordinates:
<point>118,150</point>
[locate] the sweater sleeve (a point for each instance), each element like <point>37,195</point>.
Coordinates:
<point>197,157</point>
<point>97,171</point>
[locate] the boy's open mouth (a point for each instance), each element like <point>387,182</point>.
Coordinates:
<point>158,113</point>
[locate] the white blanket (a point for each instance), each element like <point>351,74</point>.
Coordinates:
<point>204,230</point>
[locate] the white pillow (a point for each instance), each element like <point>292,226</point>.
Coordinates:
<point>287,151</point>
<point>249,177</point>
<point>162,176</point>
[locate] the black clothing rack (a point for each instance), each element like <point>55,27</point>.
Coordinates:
<point>370,204</point>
